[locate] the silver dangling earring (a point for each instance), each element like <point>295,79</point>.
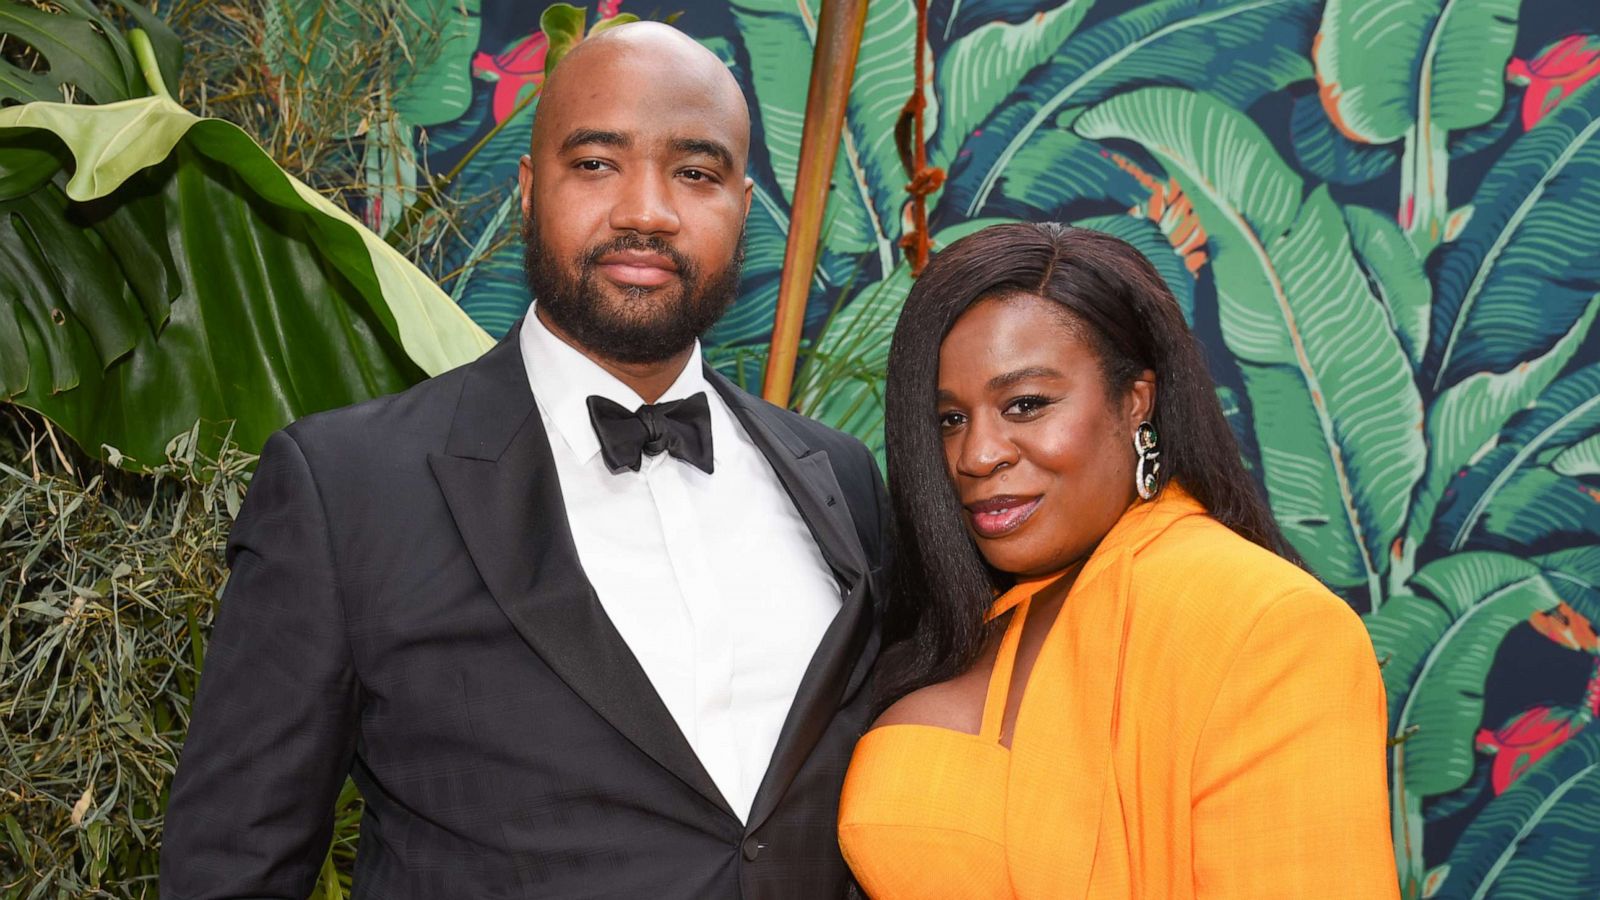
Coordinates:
<point>1144,445</point>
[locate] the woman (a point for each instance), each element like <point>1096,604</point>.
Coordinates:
<point>1161,703</point>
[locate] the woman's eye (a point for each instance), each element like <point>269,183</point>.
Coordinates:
<point>951,420</point>
<point>1027,406</point>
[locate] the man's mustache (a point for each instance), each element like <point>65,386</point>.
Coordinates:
<point>638,243</point>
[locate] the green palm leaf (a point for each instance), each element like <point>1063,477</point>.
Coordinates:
<point>1484,595</point>
<point>1237,50</point>
<point>1466,418</point>
<point>1567,413</point>
<point>985,65</point>
<point>1531,235</point>
<point>179,276</point>
<point>1337,415</point>
<point>1390,261</point>
<point>1536,841</point>
<point>1414,70</point>
<point>1057,168</point>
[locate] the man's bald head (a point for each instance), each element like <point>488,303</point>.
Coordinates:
<point>620,62</point>
<point>634,194</point>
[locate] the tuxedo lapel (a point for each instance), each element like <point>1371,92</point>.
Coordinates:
<point>499,479</point>
<point>808,476</point>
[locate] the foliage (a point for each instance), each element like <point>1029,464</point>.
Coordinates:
<point>107,579</point>
<point>120,329</point>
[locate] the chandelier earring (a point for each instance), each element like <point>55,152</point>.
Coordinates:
<point>1146,476</point>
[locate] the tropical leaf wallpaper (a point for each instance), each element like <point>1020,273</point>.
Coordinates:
<point>1381,216</point>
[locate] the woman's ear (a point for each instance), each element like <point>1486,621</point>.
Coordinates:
<point>1141,398</point>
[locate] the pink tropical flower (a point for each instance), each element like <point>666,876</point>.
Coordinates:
<point>1554,74</point>
<point>521,65</point>
<point>1525,740</point>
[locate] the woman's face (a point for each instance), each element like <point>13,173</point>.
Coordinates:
<point>1041,457</point>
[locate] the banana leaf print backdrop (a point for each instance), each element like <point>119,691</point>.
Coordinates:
<point>1380,215</point>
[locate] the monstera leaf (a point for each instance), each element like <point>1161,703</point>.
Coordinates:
<point>1536,841</point>
<point>1413,71</point>
<point>1337,415</point>
<point>1235,49</point>
<point>83,51</point>
<point>179,276</point>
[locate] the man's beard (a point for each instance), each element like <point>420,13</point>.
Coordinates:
<point>632,324</point>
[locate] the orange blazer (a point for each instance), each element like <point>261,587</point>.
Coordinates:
<point>1205,720</point>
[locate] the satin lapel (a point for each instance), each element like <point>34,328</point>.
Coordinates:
<point>808,476</point>
<point>1061,778</point>
<point>500,481</point>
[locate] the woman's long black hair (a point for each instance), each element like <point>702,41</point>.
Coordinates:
<point>942,586</point>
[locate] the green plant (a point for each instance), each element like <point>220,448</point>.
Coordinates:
<point>123,329</point>
<point>109,580</point>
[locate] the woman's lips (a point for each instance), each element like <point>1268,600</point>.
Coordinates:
<point>1000,516</point>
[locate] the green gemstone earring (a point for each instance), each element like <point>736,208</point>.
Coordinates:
<point>1144,446</point>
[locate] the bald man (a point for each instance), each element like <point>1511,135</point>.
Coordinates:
<point>581,618</point>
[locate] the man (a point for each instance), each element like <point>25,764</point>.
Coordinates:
<point>580,618</point>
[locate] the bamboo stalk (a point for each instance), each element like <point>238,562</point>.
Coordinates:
<point>833,69</point>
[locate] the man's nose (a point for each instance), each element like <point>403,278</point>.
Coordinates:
<point>645,205</point>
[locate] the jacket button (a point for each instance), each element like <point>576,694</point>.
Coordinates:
<point>753,848</point>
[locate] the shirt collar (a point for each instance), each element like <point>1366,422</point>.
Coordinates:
<point>562,380</point>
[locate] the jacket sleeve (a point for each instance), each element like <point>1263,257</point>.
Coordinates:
<point>1290,795</point>
<point>274,722</point>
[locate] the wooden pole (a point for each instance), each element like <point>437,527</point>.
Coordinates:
<point>833,69</point>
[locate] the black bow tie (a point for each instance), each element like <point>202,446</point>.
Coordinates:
<point>680,427</point>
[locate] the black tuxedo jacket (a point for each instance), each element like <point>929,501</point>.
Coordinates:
<point>406,606</point>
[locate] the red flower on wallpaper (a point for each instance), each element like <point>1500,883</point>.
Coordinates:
<point>1525,740</point>
<point>1554,74</point>
<point>521,65</point>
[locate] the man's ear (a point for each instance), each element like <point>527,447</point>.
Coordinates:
<point>525,184</point>
<point>749,194</point>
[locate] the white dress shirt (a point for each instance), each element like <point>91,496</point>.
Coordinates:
<point>713,580</point>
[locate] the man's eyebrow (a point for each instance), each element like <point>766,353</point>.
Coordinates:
<point>1007,379</point>
<point>581,136</point>
<point>705,147</point>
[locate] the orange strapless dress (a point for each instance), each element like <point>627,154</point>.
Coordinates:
<point>933,824</point>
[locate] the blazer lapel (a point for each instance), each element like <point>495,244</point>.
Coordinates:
<point>807,475</point>
<point>499,479</point>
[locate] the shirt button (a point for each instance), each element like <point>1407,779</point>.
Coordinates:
<point>753,848</point>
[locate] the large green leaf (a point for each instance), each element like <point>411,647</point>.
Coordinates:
<point>1236,50</point>
<point>1566,413</point>
<point>985,65</point>
<point>1058,168</point>
<point>1338,418</point>
<point>1384,64</point>
<point>1390,261</point>
<point>1483,595</point>
<point>1531,235</point>
<point>1465,419</point>
<point>80,48</point>
<point>179,276</point>
<point>1403,632</point>
<point>1536,841</point>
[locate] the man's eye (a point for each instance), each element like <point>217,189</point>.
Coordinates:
<point>591,165</point>
<point>696,175</point>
